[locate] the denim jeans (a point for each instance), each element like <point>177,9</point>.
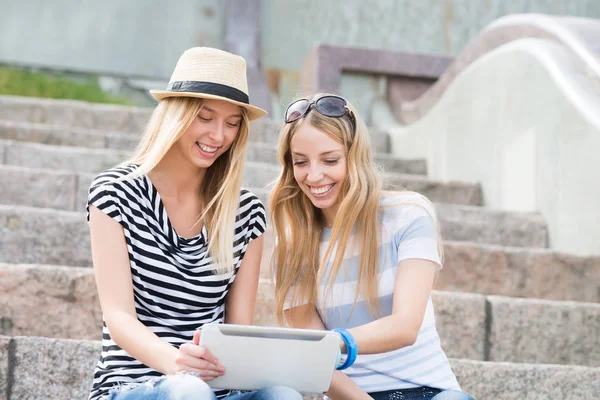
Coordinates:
<point>271,393</point>
<point>189,387</point>
<point>422,393</point>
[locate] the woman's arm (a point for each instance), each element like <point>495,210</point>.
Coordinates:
<point>241,298</point>
<point>342,387</point>
<point>115,291</point>
<point>414,282</point>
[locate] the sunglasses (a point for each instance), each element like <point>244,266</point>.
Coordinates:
<point>329,106</point>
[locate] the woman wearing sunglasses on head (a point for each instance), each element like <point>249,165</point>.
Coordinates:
<point>176,242</point>
<point>353,258</point>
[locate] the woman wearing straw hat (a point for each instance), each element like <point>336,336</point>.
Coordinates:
<point>176,242</point>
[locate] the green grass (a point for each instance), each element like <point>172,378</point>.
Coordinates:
<point>37,84</point>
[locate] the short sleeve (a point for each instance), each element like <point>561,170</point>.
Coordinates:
<point>102,195</point>
<point>257,224</point>
<point>415,234</point>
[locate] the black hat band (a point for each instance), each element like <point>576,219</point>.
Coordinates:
<point>216,89</point>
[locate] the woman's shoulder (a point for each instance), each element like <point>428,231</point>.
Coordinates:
<point>406,204</point>
<point>249,200</point>
<point>110,193</point>
<point>112,177</point>
<point>252,214</point>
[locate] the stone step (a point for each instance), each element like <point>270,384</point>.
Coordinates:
<point>100,158</point>
<point>42,368</point>
<point>61,302</point>
<point>519,272</point>
<point>115,118</point>
<point>68,191</point>
<point>40,188</point>
<point>256,175</point>
<point>73,113</point>
<point>47,236</point>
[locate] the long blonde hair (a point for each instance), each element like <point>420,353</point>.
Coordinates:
<point>222,182</point>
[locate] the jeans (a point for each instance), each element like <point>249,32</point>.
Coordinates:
<point>271,393</point>
<point>422,393</point>
<point>188,387</point>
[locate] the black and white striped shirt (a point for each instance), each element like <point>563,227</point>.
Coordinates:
<point>175,288</point>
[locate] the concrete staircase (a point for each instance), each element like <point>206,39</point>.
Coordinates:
<point>519,320</point>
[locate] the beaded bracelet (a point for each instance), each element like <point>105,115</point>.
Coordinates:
<point>351,347</point>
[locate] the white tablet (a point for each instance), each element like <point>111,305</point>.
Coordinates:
<point>257,357</point>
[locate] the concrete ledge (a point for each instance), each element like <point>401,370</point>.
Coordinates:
<point>44,368</point>
<point>33,235</point>
<point>120,141</point>
<point>52,134</point>
<point>454,192</point>
<point>532,330</point>
<point>537,273</point>
<point>61,157</point>
<point>508,228</point>
<point>509,381</point>
<point>50,301</point>
<point>62,369</point>
<point>73,113</point>
<point>5,371</point>
<point>38,188</point>
<point>461,324</point>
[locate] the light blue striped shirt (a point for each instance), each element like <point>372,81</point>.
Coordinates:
<point>407,232</point>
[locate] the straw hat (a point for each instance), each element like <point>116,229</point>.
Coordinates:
<point>210,73</point>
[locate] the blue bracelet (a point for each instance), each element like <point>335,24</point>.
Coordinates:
<point>351,348</point>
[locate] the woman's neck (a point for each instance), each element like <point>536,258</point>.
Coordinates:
<point>329,216</point>
<point>176,178</point>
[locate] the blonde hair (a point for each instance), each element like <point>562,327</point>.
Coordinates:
<point>297,223</point>
<point>222,182</point>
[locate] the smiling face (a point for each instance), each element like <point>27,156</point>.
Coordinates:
<point>320,168</point>
<point>211,133</point>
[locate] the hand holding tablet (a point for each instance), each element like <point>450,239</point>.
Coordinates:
<point>257,357</point>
